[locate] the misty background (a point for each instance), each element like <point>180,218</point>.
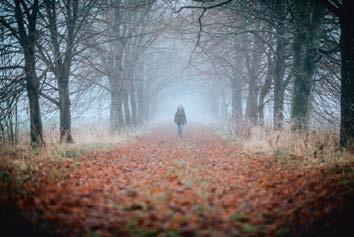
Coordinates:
<point>125,63</point>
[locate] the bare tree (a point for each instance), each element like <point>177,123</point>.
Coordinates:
<point>23,26</point>
<point>308,16</point>
<point>66,22</point>
<point>344,10</point>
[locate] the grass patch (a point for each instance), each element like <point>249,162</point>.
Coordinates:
<point>347,181</point>
<point>4,176</point>
<point>137,230</point>
<point>69,152</point>
<point>282,231</point>
<point>314,146</point>
<point>282,152</point>
<point>94,234</point>
<point>171,233</point>
<point>238,217</point>
<point>249,229</point>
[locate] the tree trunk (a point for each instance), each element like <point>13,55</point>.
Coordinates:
<point>121,123</point>
<point>140,95</point>
<point>27,39</point>
<point>347,76</point>
<point>140,92</point>
<point>302,84</point>
<point>133,105</point>
<point>265,89</point>
<point>32,85</point>
<point>60,66</point>
<point>236,103</point>
<point>252,61</point>
<point>279,69</point>
<point>113,112</point>
<point>147,100</point>
<point>127,113</point>
<point>261,103</point>
<point>305,48</point>
<point>251,109</point>
<point>64,109</point>
<point>116,115</point>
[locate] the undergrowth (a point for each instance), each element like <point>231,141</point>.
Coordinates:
<point>20,160</point>
<point>312,147</point>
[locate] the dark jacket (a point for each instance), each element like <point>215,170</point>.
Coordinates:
<point>180,117</point>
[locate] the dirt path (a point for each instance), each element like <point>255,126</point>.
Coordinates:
<point>199,185</point>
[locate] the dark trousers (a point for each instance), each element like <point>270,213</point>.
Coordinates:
<point>180,128</point>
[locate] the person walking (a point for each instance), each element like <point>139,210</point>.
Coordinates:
<point>180,119</point>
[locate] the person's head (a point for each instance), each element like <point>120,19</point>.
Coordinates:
<point>180,107</point>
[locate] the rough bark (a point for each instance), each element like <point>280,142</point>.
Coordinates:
<point>305,47</point>
<point>140,95</point>
<point>118,81</point>
<point>60,65</point>
<point>236,87</point>
<point>127,112</point>
<point>133,106</point>
<point>265,89</point>
<point>32,85</point>
<point>251,110</point>
<point>65,113</point>
<point>116,112</point>
<point>279,68</point>
<point>252,64</point>
<point>236,100</point>
<point>116,107</point>
<point>347,75</point>
<point>27,39</point>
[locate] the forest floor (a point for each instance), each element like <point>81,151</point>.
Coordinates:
<point>162,185</point>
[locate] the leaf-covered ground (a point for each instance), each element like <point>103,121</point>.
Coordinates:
<point>200,185</point>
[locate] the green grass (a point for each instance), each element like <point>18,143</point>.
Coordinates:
<point>249,229</point>
<point>238,217</point>
<point>4,176</point>
<point>282,232</point>
<point>171,233</point>
<point>136,230</point>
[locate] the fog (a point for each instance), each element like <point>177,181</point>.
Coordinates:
<point>93,141</point>
<point>193,99</point>
<point>134,62</point>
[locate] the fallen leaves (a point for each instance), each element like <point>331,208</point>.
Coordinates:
<point>198,185</point>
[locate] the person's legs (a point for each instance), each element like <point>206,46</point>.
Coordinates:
<point>180,127</point>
